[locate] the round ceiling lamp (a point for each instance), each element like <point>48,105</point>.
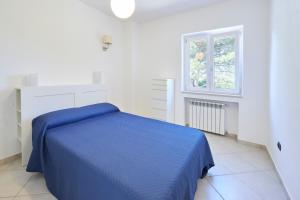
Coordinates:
<point>123,8</point>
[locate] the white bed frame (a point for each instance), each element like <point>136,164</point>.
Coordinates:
<point>34,101</point>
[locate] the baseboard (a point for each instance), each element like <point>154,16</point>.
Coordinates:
<point>232,135</point>
<point>279,174</point>
<point>260,146</point>
<point>9,159</point>
<point>235,137</point>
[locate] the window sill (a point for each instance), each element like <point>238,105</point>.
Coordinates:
<point>213,96</point>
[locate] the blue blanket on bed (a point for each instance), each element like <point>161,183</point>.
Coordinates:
<point>97,152</point>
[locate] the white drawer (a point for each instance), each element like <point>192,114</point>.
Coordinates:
<point>159,87</point>
<point>160,104</point>
<point>160,82</point>
<point>159,94</point>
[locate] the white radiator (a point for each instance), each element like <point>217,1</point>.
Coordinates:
<point>205,115</point>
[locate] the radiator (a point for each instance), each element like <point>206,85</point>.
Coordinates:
<point>205,115</point>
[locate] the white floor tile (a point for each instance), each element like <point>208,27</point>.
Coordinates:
<point>36,197</point>
<point>260,159</point>
<point>228,146</point>
<point>35,185</point>
<point>264,185</point>
<point>232,163</point>
<point>274,175</point>
<point>219,169</point>
<point>231,188</point>
<point>212,137</point>
<point>206,192</point>
<point>12,181</point>
<point>13,165</point>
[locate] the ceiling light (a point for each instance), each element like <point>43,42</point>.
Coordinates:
<point>123,8</point>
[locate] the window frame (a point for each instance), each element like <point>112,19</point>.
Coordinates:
<point>237,32</point>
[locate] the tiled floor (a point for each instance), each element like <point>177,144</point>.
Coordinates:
<point>242,172</point>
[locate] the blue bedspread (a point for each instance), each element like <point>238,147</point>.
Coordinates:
<point>97,152</point>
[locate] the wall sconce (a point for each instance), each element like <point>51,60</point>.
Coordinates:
<point>107,41</point>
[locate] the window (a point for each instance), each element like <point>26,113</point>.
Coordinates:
<point>212,61</point>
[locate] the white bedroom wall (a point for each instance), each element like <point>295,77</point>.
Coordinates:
<point>285,93</point>
<point>61,41</point>
<point>159,54</point>
<point>131,40</point>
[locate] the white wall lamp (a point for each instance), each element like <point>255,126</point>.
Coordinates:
<point>107,41</point>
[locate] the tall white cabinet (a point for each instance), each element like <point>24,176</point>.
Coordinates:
<point>19,114</point>
<point>162,99</point>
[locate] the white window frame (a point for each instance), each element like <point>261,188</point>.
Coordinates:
<point>236,31</point>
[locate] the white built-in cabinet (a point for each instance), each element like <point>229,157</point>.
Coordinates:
<point>19,114</point>
<point>162,99</point>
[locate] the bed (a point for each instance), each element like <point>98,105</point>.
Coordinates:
<point>98,152</point>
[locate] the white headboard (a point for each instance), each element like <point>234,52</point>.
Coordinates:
<point>34,101</point>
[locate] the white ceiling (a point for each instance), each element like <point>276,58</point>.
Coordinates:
<point>151,9</point>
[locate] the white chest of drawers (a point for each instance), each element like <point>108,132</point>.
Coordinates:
<point>162,99</point>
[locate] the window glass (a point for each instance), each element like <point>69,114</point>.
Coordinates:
<point>198,63</point>
<point>224,60</point>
